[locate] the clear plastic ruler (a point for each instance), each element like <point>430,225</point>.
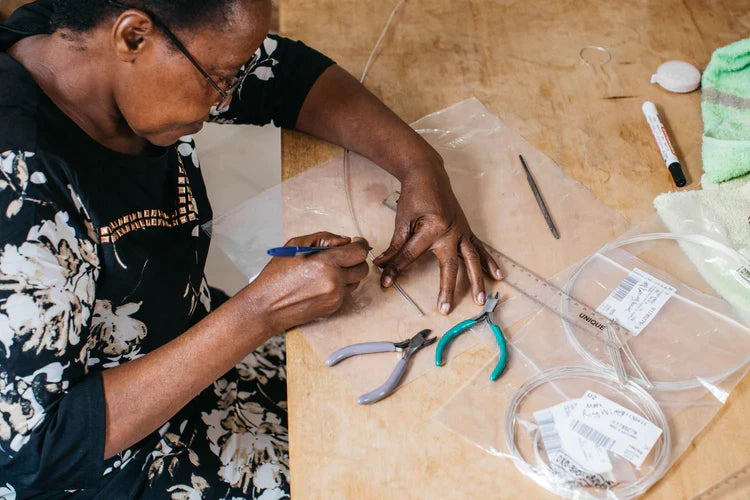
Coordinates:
<point>735,485</point>
<point>577,314</point>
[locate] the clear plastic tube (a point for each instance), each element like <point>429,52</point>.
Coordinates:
<point>380,39</point>
<point>347,170</point>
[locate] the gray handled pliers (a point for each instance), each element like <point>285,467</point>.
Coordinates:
<point>409,347</point>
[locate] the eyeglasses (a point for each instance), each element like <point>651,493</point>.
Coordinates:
<point>225,93</point>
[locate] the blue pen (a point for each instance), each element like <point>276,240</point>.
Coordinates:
<point>293,251</point>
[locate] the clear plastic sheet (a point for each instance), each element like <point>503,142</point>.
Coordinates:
<point>478,413</point>
<point>694,351</point>
<point>247,231</point>
<point>481,157</point>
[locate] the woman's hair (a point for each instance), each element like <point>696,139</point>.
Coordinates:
<point>83,15</point>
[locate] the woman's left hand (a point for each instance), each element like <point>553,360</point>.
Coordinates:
<point>429,217</point>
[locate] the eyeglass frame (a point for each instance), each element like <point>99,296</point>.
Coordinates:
<point>226,95</point>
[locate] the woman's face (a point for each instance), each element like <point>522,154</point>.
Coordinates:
<point>159,92</point>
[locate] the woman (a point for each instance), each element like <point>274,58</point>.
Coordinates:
<point>116,381</point>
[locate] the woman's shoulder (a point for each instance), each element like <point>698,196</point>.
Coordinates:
<point>19,104</point>
<point>35,184</point>
<point>25,159</point>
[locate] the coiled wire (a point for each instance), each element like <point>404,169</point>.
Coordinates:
<point>545,477</point>
<point>679,385</point>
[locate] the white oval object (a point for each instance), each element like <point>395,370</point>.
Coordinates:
<point>677,76</point>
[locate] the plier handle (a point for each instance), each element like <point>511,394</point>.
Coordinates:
<point>409,347</point>
<point>486,314</point>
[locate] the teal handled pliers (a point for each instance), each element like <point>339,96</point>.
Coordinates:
<point>486,314</point>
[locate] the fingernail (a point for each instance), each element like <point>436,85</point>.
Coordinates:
<point>445,308</point>
<point>481,298</point>
<point>387,281</point>
<point>379,256</point>
<point>498,274</point>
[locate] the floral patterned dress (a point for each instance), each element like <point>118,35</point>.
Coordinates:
<point>101,262</point>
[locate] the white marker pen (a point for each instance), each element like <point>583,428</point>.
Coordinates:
<point>662,140</point>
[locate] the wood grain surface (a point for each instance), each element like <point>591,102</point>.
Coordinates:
<point>521,59</point>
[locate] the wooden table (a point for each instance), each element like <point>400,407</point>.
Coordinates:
<point>521,59</point>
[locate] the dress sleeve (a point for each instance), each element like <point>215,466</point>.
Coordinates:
<point>52,414</point>
<point>276,87</point>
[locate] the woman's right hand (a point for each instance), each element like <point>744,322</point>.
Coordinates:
<point>297,290</point>
<point>288,292</point>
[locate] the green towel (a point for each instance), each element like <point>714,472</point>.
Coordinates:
<point>725,103</point>
<point>719,212</point>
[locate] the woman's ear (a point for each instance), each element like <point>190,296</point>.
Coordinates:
<point>131,33</point>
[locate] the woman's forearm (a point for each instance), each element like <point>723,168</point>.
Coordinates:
<point>340,110</point>
<point>144,393</point>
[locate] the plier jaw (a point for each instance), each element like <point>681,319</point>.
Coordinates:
<point>489,308</point>
<point>418,341</point>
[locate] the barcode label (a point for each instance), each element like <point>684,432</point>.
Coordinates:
<point>744,273</point>
<point>623,289</point>
<point>547,429</point>
<point>592,435</point>
<point>613,428</point>
<point>636,300</point>
<point>554,428</point>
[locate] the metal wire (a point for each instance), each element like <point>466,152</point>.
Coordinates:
<point>544,476</point>
<point>582,56</point>
<point>679,385</point>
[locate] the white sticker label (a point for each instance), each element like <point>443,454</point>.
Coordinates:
<point>564,465</point>
<point>635,301</point>
<point>554,427</point>
<point>614,428</point>
<point>744,273</point>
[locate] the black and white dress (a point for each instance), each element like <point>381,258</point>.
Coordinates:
<point>101,262</point>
